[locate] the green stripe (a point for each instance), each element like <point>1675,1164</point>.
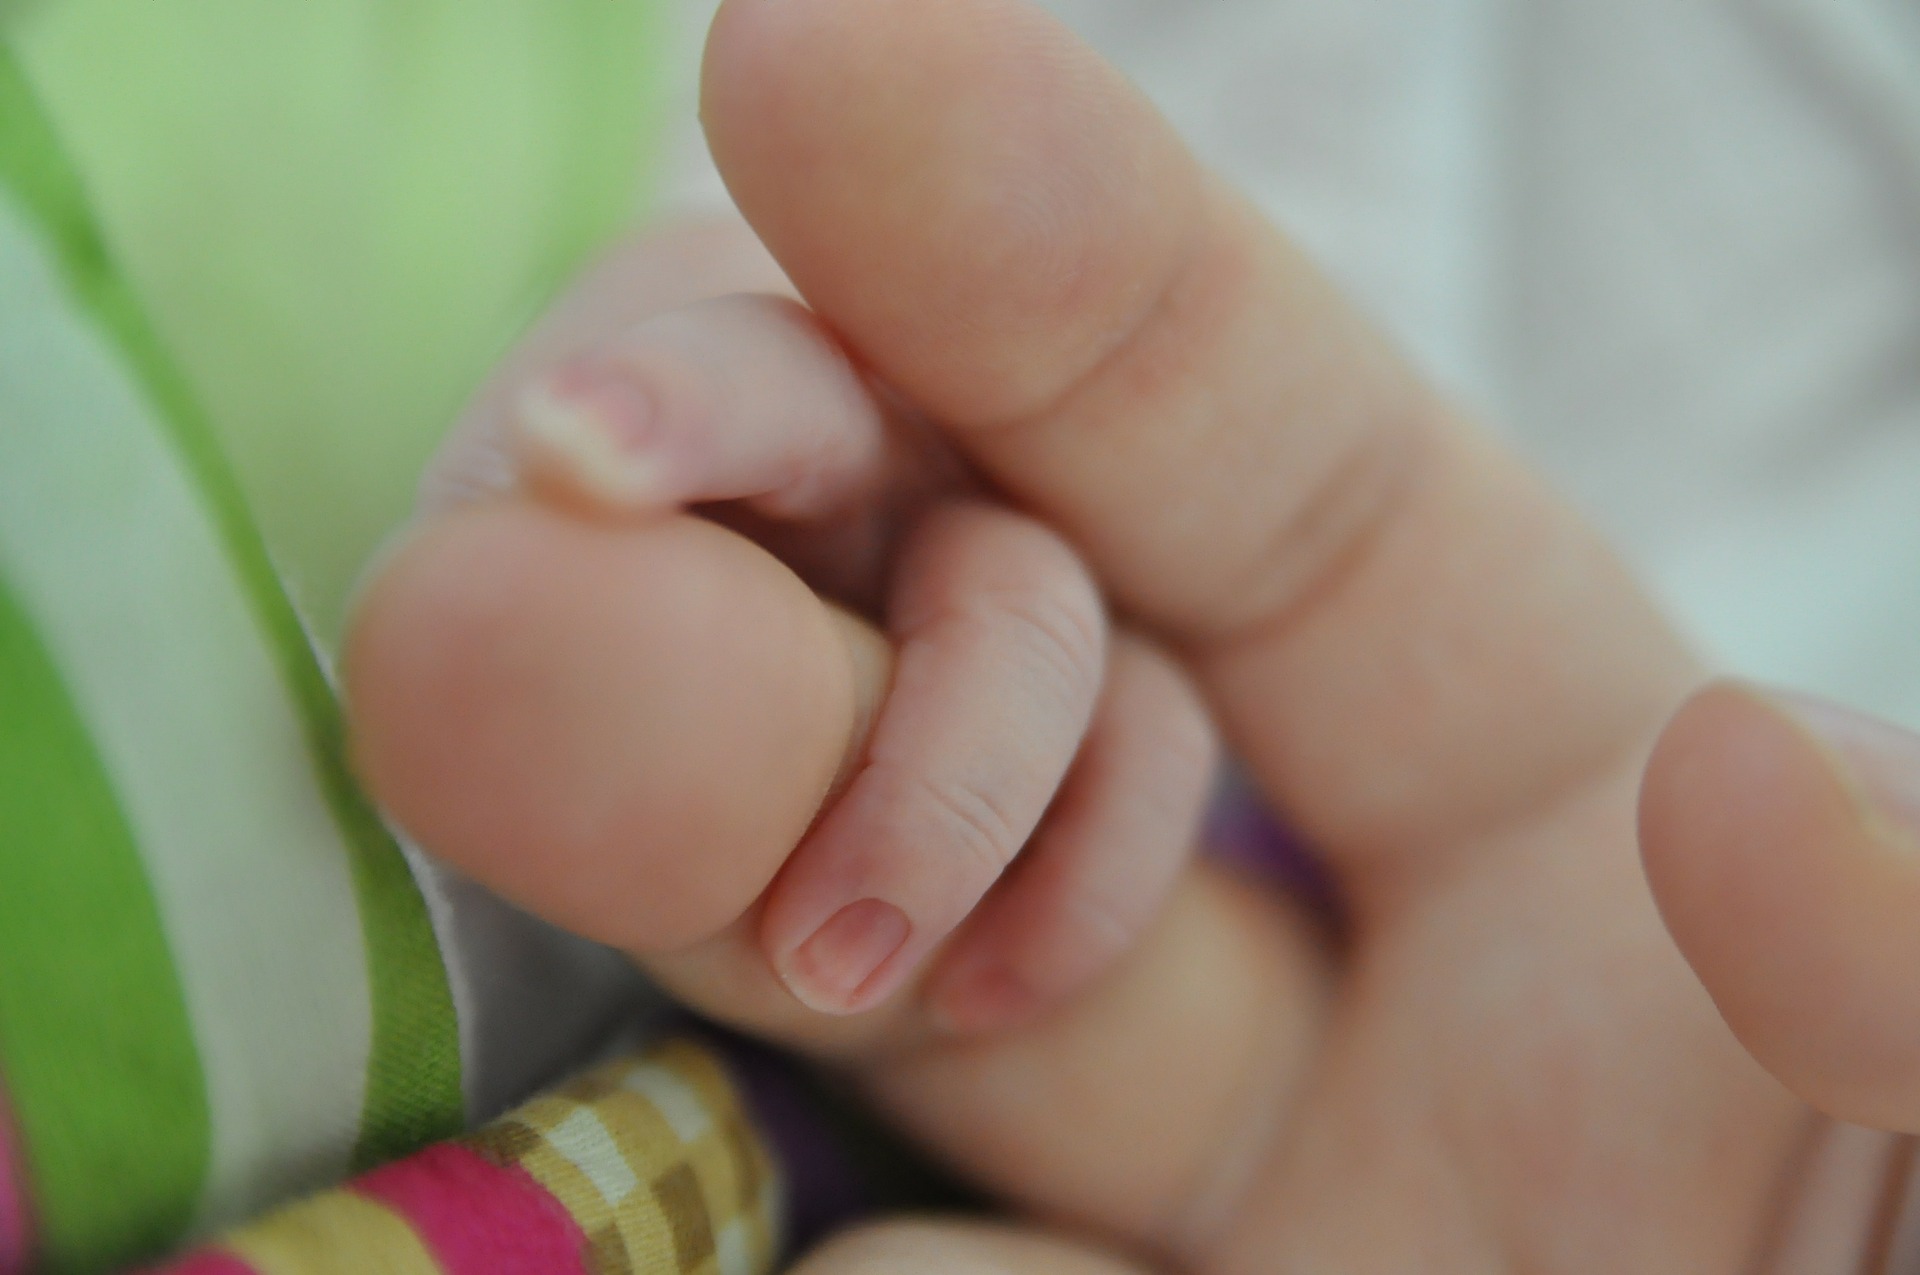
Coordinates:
<point>413,1079</point>
<point>95,1040</point>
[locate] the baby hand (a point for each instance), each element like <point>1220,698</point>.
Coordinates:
<point>1019,788</point>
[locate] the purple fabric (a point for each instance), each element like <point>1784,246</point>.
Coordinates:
<point>1242,833</point>
<point>825,1190</point>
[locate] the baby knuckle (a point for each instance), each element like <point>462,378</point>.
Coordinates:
<point>1059,635</point>
<point>969,818</point>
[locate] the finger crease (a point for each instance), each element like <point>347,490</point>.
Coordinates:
<point>981,826</point>
<point>1328,539</point>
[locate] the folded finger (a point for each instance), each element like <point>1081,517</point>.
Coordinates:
<point>1002,645</point>
<point>1101,865</point>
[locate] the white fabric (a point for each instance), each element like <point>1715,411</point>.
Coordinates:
<point>1669,248</point>
<point>109,543</point>
<point>532,1000</point>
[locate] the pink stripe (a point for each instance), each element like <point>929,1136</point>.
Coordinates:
<point>16,1224</point>
<point>478,1218</point>
<point>207,1261</point>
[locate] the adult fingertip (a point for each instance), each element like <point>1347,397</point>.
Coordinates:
<point>1782,843</point>
<point>1028,202</point>
<point>1877,759</point>
<point>622,728</point>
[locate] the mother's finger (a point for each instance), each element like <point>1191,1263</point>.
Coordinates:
<point>1146,1108</point>
<point>1405,636</point>
<point>1782,840</point>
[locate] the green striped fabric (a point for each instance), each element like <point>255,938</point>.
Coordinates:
<point>338,214</point>
<point>251,260</point>
<point>94,1031</point>
<point>218,983</point>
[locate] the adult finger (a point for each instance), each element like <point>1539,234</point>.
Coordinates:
<point>1782,839</point>
<point>1145,1107</point>
<point>1407,639</point>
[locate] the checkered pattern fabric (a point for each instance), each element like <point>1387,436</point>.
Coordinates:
<point>654,1161</point>
<point>646,1166</point>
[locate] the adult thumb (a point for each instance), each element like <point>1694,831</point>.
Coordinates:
<point>1781,836</point>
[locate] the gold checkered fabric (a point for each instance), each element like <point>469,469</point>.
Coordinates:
<point>655,1160</point>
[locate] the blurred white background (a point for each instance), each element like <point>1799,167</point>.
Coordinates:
<point>1670,249</point>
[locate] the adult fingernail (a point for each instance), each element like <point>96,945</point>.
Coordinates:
<point>590,432</point>
<point>837,969</point>
<point>1880,759</point>
<point>983,998</point>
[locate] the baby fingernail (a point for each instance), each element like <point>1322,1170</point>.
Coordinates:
<point>1881,759</point>
<point>834,970</point>
<point>591,432</point>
